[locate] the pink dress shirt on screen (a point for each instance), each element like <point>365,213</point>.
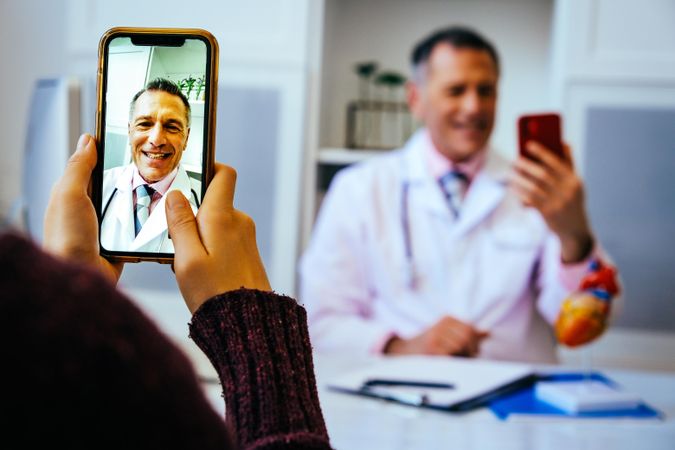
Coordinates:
<point>160,187</point>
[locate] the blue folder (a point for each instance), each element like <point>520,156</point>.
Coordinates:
<point>524,401</point>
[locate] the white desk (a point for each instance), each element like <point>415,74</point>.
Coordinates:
<point>361,423</point>
<point>358,423</point>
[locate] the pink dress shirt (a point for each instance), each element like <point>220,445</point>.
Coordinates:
<point>161,187</point>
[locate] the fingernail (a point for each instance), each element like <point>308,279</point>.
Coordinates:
<point>84,140</point>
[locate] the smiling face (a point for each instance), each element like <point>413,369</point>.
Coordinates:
<point>456,98</point>
<point>158,134</point>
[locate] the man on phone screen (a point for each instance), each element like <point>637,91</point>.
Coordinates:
<point>133,195</point>
<point>443,247</point>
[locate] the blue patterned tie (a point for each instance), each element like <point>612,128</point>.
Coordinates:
<point>454,185</point>
<point>142,209</point>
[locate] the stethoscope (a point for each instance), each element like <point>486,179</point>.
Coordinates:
<point>412,275</point>
<point>112,195</point>
<point>411,270</point>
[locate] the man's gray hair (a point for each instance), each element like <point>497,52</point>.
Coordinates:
<point>163,85</point>
<point>458,37</point>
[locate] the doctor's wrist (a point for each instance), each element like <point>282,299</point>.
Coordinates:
<point>574,249</point>
<point>395,345</point>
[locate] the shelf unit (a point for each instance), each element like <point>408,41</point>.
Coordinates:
<point>345,156</point>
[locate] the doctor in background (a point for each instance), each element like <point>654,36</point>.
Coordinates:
<point>133,217</point>
<point>443,247</point>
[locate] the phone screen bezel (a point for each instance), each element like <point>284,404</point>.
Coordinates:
<point>160,38</point>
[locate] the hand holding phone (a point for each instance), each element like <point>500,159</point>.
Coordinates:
<point>542,128</point>
<point>70,219</point>
<point>551,185</point>
<point>216,252</point>
<point>155,132</point>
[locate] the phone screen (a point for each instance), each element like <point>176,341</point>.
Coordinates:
<point>154,135</point>
<point>542,128</point>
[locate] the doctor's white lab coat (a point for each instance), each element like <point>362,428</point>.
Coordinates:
<point>495,267</point>
<point>117,226</point>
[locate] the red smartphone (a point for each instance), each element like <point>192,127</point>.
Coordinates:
<point>542,128</point>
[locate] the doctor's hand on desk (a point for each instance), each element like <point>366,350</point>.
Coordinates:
<point>215,252</point>
<point>552,187</point>
<point>448,336</point>
<point>71,226</point>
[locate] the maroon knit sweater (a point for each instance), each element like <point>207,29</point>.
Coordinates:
<point>82,367</point>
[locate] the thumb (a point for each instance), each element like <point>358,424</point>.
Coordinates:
<point>182,225</point>
<point>81,163</point>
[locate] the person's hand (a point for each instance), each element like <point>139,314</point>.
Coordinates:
<point>215,252</point>
<point>71,226</point>
<point>552,187</point>
<point>448,336</point>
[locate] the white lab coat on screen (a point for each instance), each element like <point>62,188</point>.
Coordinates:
<point>117,226</point>
<point>495,267</point>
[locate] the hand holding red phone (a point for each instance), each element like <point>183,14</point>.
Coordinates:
<point>544,178</point>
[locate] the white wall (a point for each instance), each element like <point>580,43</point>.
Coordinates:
<point>618,50</point>
<point>28,30</point>
<point>387,30</point>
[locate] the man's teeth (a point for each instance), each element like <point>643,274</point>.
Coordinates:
<point>470,126</point>
<point>156,155</point>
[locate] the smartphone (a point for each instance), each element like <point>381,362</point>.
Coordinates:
<point>155,132</point>
<point>545,129</point>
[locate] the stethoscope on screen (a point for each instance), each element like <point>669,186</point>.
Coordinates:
<point>112,195</point>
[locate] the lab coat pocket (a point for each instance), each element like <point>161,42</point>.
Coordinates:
<point>391,272</point>
<point>517,230</point>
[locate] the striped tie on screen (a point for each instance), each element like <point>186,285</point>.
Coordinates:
<point>142,209</point>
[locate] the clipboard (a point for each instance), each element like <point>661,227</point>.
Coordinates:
<point>507,389</point>
<point>448,384</point>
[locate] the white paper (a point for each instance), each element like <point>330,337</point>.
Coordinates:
<point>470,377</point>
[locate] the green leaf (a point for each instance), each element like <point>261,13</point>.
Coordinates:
<point>390,79</point>
<point>366,69</point>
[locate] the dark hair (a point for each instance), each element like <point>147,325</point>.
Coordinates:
<point>458,37</point>
<point>163,85</point>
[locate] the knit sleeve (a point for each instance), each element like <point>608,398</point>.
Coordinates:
<point>87,369</point>
<point>259,344</point>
